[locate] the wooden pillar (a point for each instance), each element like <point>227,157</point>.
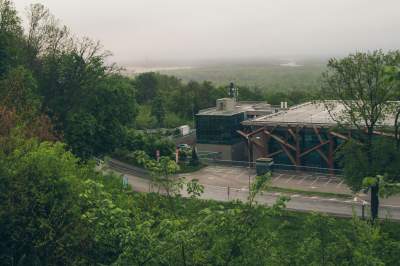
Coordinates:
<point>298,158</point>
<point>266,141</point>
<point>250,148</point>
<point>263,139</point>
<point>331,164</point>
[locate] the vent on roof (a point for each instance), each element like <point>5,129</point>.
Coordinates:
<point>226,104</point>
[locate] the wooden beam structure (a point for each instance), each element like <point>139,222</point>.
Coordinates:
<point>293,144</point>
<point>296,142</point>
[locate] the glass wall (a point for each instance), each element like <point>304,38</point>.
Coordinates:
<point>218,129</point>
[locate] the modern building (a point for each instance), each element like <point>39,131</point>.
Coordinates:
<point>303,135</point>
<point>217,128</point>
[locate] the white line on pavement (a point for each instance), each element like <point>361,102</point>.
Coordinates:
<point>316,179</point>
<point>291,177</point>
<point>301,181</point>
<point>329,180</point>
<point>276,178</point>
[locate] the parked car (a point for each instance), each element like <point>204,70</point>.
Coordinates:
<point>183,146</point>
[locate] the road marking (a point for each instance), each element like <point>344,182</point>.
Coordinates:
<point>301,181</point>
<point>291,177</point>
<point>316,179</point>
<point>276,178</point>
<point>329,180</point>
<point>341,182</point>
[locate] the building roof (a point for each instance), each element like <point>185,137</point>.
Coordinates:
<point>309,113</point>
<point>240,107</point>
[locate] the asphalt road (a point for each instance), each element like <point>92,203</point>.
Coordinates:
<point>331,206</point>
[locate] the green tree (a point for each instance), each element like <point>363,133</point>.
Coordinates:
<point>11,37</point>
<point>158,110</point>
<point>39,217</point>
<point>145,119</point>
<point>146,85</point>
<point>357,82</point>
<point>392,74</point>
<point>194,160</point>
<point>19,90</point>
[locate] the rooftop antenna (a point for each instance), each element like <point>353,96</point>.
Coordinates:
<point>233,92</point>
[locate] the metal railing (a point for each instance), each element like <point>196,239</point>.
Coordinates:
<point>276,166</point>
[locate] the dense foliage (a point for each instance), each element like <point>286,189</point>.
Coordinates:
<point>57,209</point>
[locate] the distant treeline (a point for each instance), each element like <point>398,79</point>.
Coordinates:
<point>167,101</point>
<point>267,77</point>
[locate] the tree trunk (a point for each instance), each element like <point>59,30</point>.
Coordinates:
<point>396,129</point>
<point>370,132</point>
<point>375,188</point>
<point>374,201</point>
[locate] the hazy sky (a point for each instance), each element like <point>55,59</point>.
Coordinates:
<point>136,30</point>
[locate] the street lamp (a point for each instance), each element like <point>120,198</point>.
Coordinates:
<point>364,203</point>
<point>250,155</point>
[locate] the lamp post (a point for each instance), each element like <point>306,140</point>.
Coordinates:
<point>249,155</point>
<point>364,203</point>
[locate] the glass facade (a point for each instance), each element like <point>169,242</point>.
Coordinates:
<point>218,129</point>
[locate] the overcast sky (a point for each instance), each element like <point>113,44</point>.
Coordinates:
<point>136,30</point>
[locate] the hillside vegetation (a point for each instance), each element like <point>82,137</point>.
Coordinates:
<point>61,106</point>
<point>266,77</point>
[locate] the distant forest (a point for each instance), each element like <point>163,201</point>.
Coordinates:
<point>266,77</point>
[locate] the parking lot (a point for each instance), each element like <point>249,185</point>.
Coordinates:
<point>239,177</point>
<point>310,182</point>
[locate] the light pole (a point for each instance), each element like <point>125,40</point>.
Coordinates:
<point>250,149</point>
<point>249,155</point>
<point>364,203</point>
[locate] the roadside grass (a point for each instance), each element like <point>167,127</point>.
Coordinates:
<point>187,168</point>
<point>290,191</point>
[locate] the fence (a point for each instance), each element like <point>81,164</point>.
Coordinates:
<point>127,168</point>
<point>276,167</point>
<point>299,203</point>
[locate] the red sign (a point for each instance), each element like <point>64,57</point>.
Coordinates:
<point>158,155</point>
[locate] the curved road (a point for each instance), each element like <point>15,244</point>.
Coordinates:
<point>333,206</point>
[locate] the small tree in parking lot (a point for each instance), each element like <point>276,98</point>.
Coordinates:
<point>194,161</point>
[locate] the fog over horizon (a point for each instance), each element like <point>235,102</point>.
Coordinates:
<point>188,31</point>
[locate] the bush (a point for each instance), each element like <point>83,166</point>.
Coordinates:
<point>145,119</point>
